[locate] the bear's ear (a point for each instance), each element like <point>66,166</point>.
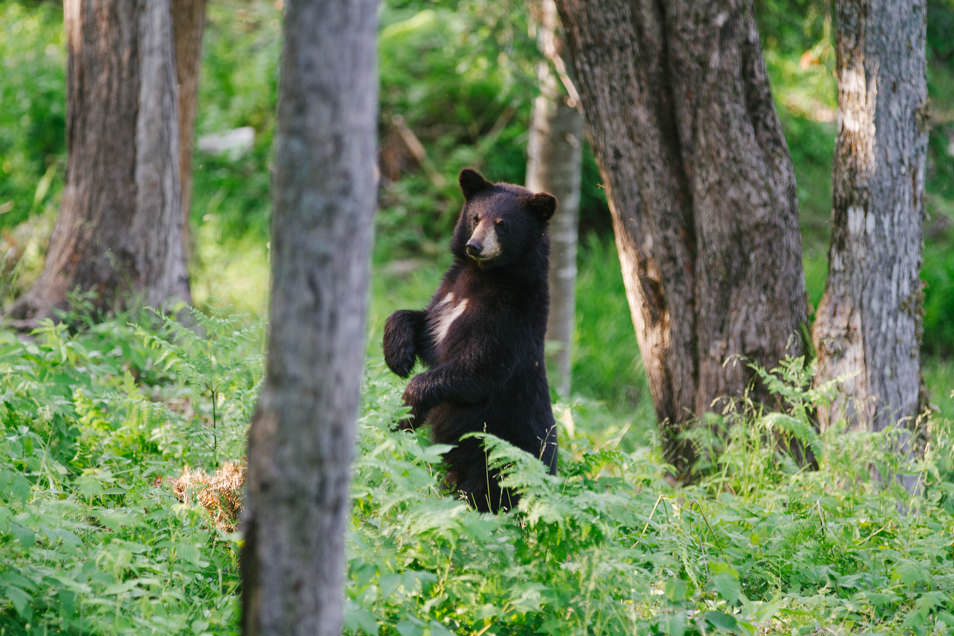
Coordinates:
<point>543,205</point>
<point>471,182</point>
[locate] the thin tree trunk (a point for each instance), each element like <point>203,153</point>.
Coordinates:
<point>702,193</point>
<point>188,25</point>
<point>554,159</point>
<point>118,235</point>
<point>868,326</point>
<point>302,436</point>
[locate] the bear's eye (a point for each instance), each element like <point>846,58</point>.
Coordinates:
<point>501,224</point>
<point>476,219</point>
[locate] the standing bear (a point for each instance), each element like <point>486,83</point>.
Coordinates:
<point>481,337</point>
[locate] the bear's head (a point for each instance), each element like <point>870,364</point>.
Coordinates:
<point>501,224</point>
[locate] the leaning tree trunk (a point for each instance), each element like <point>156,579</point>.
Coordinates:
<point>867,329</point>
<point>702,192</point>
<point>301,439</point>
<point>118,235</point>
<point>554,158</point>
<point>188,25</point>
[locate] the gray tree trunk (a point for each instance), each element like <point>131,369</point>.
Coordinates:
<point>554,159</point>
<point>118,235</point>
<point>188,25</point>
<point>702,192</point>
<point>302,436</point>
<point>868,324</point>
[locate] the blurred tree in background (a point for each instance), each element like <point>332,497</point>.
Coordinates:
<point>554,162</point>
<point>867,329</point>
<point>188,25</point>
<point>118,236</point>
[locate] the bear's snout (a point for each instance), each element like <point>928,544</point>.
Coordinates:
<point>473,248</point>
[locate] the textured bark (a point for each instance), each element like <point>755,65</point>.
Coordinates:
<point>867,329</point>
<point>554,159</point>
<point>702,193</point>
<point>118,235</point>
<point>301,438</point>
<point>188,24</point>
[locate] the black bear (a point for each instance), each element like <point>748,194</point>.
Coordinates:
<point>482,338</point>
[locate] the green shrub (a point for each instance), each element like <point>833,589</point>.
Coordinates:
<point>609,547</point>
<point>94,424</point>
<point>92,428</point>
<point>33,117</point>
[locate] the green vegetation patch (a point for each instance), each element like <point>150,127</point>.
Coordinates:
<point>96,425</point>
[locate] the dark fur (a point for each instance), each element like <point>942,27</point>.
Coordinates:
<point>488,373</point>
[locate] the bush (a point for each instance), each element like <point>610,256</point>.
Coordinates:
<point>93,427</point>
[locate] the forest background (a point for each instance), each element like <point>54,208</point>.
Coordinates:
<point>87,454</point>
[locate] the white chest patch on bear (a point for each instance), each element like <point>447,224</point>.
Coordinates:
<point>445,313</point>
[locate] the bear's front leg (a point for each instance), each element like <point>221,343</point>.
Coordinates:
<point>415,397</point>
<point>446,383</point>
<point>401,335</point>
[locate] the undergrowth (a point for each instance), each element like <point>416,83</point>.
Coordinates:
<point>758,545</point>
<point>97,423</point>
<point>93,428</point>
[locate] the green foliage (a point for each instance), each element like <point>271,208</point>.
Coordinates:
<point>216,361</point>
<point>94,424</point>
<point>614,374</point>
<point>468,118</point>
<point>609,547</point>
<point>237,87</point>
<point>33,117</point>
<point>475,113</point>
<point>92,428</point>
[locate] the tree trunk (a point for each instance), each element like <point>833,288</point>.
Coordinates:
<point>554,159</point>
<point>702,193</point>
<point>868,327</point>
<point>188,24</point>
<point>301,438</point>
<point>118,235</point>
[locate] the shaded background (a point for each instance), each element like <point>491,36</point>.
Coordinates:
<point>457,78</point>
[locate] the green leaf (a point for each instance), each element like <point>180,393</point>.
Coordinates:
<point>20,599</point>
<point>436,629</point>
<point>676,590</point>
<point>910,573</point>
<point>24,535</point>
<point>408,628</point>
<point>90,483</point>
<point>358,618</point>
<point>727,586</point>
<point>880,599</point>
<point>189,553</point>
<point>70,539</point>
<point>527,596</point>
<point>6,518</point>
<point>116,519</point>
<point>67,599</point>
<point>388,582</point>
<point>15,484</point>
<point>673,624</point>
<point>721,620</point>
<point>765,611</point>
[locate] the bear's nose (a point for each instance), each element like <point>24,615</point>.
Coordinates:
<point>473,248</point>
